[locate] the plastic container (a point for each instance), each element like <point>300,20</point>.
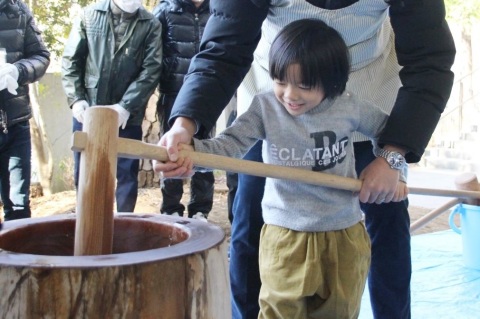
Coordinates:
<point>470,231</point>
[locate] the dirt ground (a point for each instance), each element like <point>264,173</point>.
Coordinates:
<point>149,201</point>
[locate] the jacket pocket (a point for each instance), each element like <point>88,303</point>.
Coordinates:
<point>130,64</point>
<point>91,84</point>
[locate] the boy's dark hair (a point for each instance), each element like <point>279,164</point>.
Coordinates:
<point>319,50</point>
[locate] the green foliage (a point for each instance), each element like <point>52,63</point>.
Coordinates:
<point>463,11</point>
<point>55,17</point>
<point>41,88</point>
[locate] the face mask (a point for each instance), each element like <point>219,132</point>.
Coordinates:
<point>129,6</point>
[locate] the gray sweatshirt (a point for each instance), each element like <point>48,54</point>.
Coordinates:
<point>319,140</point>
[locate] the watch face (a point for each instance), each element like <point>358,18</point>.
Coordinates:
<point>396,160</point>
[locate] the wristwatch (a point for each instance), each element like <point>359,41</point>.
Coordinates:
<point>394,159</point>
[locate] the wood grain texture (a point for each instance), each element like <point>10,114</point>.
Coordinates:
<point>96,183</point>
<point>136,149</point>
<point>161,267</point>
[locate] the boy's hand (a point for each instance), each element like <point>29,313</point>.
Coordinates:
<point>181,168</point>
<point>185,161</point>
<point>182,131</point>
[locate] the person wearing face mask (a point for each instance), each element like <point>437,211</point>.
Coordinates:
<point>113,57</point>
<point>24,59</point>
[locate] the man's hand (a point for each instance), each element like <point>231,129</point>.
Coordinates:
<point>181,132</point>
<point>183,167</point>
<point>78,110</point>
<point>401,192</point>
<point>9,78</point>
<point>9,69</point>
<point>379,183</point>
<point>123,114</point>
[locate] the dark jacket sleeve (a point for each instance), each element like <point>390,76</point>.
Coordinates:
<point>426,52</point>
<point>36,57</point>
<point>226,53</point>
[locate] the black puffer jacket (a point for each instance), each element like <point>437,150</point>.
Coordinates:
<point>25,49</point>
<point>182,30</point>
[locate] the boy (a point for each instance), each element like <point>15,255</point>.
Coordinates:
<point>313,264</point>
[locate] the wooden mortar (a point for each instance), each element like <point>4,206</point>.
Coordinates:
<point>160,267</point>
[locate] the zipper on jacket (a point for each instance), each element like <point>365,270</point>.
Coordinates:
<point>197,33</point>
<point>3,121</point>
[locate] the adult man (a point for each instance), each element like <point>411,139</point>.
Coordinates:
<point>25,60</point>
<point>113,57</point>
<point>401,52</point>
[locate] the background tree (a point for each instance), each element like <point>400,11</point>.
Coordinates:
<point>463,11</point>
<point>55,17</point>
<point>462,111</point>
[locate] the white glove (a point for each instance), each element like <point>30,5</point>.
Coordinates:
<point>123,114</point>
<point>8,78</point>
<point>10,69</point>
<point>7,82</point>
<point>78,109</point>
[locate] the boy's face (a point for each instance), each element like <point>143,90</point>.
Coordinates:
<point>294,96</point>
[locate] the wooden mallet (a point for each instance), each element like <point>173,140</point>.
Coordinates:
<point>468,182</point>
<point>101,143</point>
<point>136,149</point>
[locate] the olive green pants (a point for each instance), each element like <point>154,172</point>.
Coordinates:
<point>312,275</point>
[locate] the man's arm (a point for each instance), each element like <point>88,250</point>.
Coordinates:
<point>426,51</point>
<point>226,53</point>
<point>73,63</point>
<point>36,57</point>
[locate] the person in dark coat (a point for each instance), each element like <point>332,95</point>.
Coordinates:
<point>183,22</point>
<point>24,59</point>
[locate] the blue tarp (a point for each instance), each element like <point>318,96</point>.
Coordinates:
<point>441,286</point>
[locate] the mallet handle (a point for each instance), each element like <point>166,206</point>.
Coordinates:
<point>96,183</point>
<point>136,149</point>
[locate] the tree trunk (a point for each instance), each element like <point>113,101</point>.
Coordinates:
<point>41,150</point>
